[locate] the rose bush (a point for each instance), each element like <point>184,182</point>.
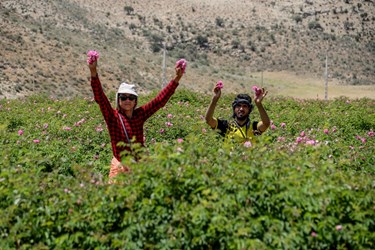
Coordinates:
<point>189,191</point>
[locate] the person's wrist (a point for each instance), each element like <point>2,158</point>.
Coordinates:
<point>176,79</point>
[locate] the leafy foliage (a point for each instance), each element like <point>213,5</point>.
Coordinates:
<point>307,184</point>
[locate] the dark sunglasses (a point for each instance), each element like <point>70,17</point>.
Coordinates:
<point>126,97</point>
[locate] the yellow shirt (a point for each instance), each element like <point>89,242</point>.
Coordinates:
<point>235,133</point>
<point>240,134</point>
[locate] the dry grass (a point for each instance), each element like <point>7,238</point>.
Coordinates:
<point>303,86</point>
<point>43,45</point>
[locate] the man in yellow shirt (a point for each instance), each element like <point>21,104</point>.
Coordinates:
<point>240,129</point>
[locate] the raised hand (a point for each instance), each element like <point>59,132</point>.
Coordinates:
<point>179,73</point>
<point>260,95</point>
<point>92,61</point>
<point>181,64</point>
<point>92,56</point>
<point>180,69</point>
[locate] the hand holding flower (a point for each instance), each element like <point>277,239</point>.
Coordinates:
<point>219,84</point>
<point>260,93</point>
<point>92,56</point>
<point>181,64</point>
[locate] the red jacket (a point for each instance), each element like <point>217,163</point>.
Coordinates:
<point>134,126</point>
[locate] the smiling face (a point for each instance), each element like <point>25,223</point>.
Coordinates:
<point>241,111</point>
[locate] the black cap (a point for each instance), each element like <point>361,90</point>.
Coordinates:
<point>242,98</point>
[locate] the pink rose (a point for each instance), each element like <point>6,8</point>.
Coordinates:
<point>92,56</point>
<point>299,140</point>
<point>310,142</point>
<point>219,85</point>
<point>181,64</point>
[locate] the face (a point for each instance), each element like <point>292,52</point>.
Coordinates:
<point>127,101</point>
<point>242,111</point>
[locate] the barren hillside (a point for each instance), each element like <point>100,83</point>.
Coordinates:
<point>43,43</point>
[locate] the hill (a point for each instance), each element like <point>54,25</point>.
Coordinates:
<point>43,45</point>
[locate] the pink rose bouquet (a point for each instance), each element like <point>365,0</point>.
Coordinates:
<point>92,56</point>
<point>219,85</point>
<point>258,91</point>
<point>181,64</point>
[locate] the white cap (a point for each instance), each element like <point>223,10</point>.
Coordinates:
<point>125,88</point>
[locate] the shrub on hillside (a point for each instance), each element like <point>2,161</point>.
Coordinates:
<point>297,18</point>
<point>202,40</point>
<point>315,25</point>
<point>219,21</point>
<point>129,10</point>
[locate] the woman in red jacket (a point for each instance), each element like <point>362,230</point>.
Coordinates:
<point>125,122</point>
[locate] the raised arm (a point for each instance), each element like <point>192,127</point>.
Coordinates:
<point>211,108</point>
<point>265,120</point>
<point>99,96</point>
